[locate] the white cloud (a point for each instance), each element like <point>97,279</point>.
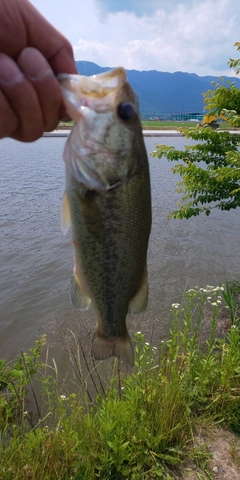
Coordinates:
<point>189,35</point>
<point>139,7</point>
<point>97,52</point>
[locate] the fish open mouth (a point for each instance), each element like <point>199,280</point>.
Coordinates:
<point>96,92</point>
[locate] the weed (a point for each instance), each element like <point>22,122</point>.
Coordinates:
<point>232,298</point>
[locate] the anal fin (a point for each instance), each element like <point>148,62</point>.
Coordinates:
<point>78,298</point>
<point>121,347</point>
<point>139,302</point>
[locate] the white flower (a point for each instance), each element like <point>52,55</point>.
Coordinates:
<point>175,305</point>
<point>63,397</point>
<point>214,304</point>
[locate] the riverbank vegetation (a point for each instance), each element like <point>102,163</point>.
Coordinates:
<point>156,125</point>
<point>210,170</point>
<point>149,124</point>
<point>139,425</point>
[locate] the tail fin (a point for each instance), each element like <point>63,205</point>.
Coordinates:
<point>120,347</point>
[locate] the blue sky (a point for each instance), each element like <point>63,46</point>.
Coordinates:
<point>195,36</point>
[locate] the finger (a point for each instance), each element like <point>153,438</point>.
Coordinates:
<point>38,71</point>
<point>45,38</point>
<point>8,119</point>
<point>61,61</point>
<point>12,29</point>
<point>23,100</point>
<point>32,29</point>
<point>63,115</point>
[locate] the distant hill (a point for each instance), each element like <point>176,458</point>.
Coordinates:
<point>161,92</point>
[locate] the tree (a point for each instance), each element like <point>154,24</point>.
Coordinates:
<point>224,96</point>
<point>210,170</point>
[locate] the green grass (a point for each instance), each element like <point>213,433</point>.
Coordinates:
<point>155,125</point>
<point>138,426</point>
<point>66,124</point>
<point>151,124</point>
<point>148,124</point>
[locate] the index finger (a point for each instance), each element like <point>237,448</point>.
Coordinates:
<point>45,38</point>
<point>51,43</point>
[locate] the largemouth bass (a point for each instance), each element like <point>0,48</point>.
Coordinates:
<point>107,203</point>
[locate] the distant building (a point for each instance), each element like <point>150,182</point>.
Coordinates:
<point>187,117</point>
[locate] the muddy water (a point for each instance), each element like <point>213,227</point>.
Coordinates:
<point>36,259</point>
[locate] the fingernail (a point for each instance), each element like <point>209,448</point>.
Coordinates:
<point>33,64</point>
<point>9,71</point>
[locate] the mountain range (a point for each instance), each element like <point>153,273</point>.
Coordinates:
<point>163,93</point>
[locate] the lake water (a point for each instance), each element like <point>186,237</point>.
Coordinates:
<point>36,259</point>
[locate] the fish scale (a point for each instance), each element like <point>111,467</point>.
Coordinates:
<point>108,204</point>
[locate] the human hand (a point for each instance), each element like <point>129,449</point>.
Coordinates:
<point>31,52</point>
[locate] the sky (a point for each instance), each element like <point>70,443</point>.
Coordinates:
<point>194,36</point>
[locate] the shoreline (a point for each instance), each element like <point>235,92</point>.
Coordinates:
<point>146,133</point>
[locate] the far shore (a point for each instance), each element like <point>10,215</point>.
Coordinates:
<point>64,131</point>
<point>146,133</point>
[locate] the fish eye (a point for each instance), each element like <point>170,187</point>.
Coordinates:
<point>126,111</point>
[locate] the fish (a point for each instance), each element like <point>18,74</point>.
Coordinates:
<point>107,204</point>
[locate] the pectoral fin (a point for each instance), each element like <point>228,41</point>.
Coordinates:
<point>139,302</point>
<point>65,214</point>
<point>78,298</point>
<point>121,347</point>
